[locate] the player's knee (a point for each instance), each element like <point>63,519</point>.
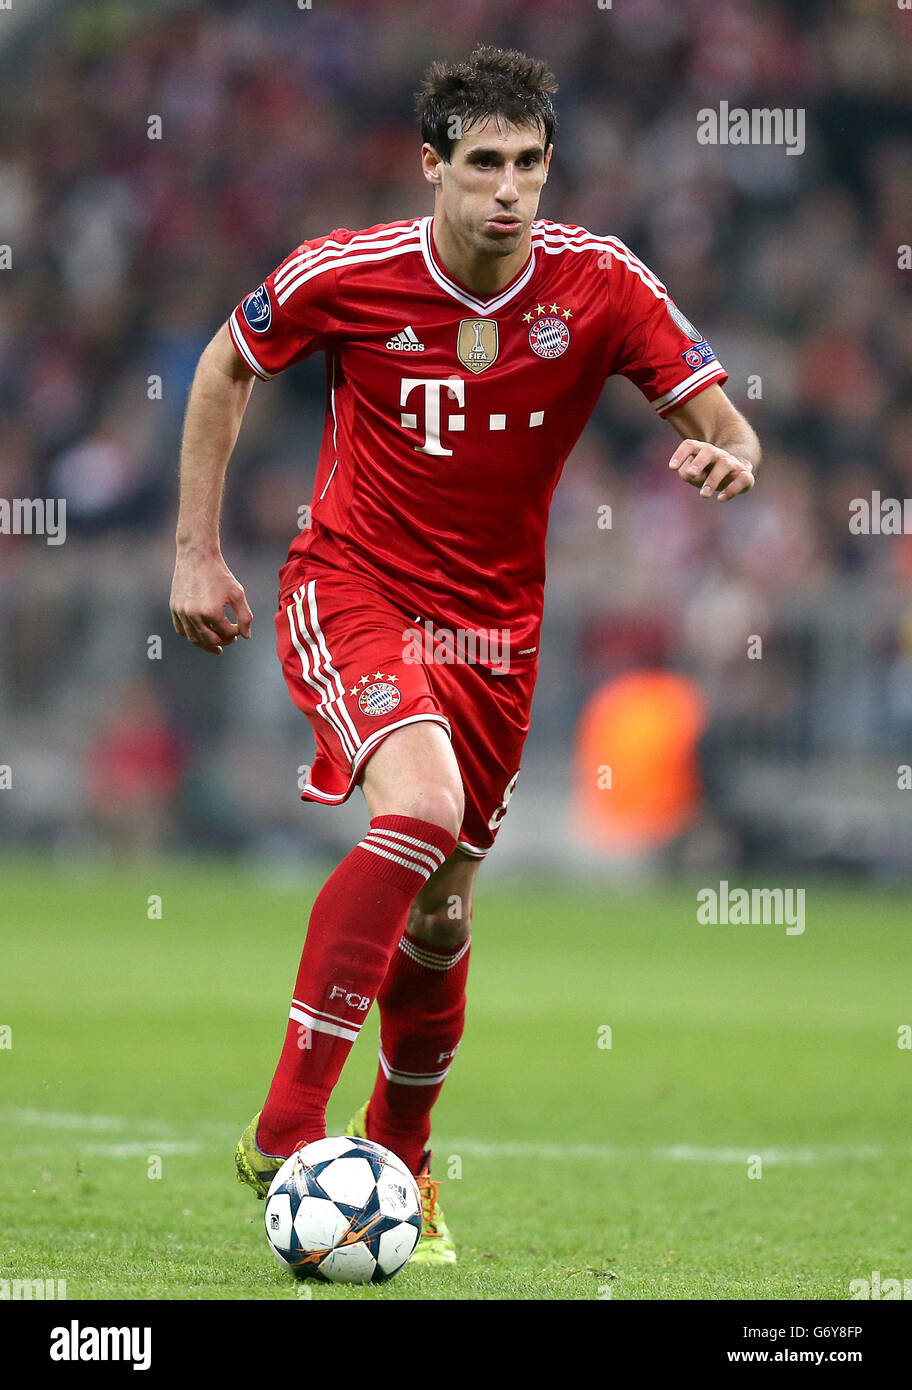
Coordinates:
<point>446,924</point>
<point>439,805</point>
<point>414,773</point>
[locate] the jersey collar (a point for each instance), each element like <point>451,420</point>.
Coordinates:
<point>456,290</point>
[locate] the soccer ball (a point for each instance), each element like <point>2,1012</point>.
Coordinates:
<point>343,1210</point>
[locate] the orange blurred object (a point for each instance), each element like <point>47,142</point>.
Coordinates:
<point>636,774</point>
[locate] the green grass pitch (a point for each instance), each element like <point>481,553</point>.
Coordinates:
<point>568,1169</point>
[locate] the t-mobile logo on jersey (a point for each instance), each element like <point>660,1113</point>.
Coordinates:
<point>455,388</point>
<point>353,1001</point>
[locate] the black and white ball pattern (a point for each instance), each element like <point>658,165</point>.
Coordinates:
<point>343,1210</point>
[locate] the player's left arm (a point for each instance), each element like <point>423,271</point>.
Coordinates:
<point>721,453</point>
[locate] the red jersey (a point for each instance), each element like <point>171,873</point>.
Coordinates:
<point>449,416</point>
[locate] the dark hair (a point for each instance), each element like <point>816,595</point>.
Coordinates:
<point>502,83</point>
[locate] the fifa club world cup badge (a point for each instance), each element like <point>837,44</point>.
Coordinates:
<point>549,335</point>
<point>377,695</point>
<point>477,343</point>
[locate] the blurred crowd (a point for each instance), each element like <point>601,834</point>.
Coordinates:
<point>132,238</point>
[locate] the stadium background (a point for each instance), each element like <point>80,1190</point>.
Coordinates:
<point>279,123</point>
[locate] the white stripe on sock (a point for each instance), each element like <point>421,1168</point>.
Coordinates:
<point>436,853</point>
<point>411,1078</point>
<point>418,869</point>
<point>320,1025</point>
<point>379,837</point>
<point>433,960</point>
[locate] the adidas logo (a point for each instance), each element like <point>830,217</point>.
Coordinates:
<point>405,340</point>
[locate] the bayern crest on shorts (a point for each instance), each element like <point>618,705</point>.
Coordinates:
<point>379,698</point>
<point>549,336</point>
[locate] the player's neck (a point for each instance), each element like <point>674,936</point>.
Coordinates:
<point>485,275</point>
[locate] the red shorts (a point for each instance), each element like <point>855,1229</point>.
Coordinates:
<point>342,649</point>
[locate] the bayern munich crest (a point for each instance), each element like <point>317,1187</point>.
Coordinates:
<point>380,697</point>
<point>549,337</point>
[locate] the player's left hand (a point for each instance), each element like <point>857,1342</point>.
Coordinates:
<point>713,470</point>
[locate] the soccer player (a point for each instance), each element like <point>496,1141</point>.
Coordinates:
<point>465,351</point>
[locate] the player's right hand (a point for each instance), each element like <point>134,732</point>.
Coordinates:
<point>200,592</point>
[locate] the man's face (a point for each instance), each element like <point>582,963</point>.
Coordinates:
<point>489,191</point>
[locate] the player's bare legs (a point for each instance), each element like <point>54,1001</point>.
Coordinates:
<point>441,914</point>
<point>414,773</point>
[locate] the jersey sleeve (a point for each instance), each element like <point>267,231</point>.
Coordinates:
<point>291,314</point>
<point>653,343</point>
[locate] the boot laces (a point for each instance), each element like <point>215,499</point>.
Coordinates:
<point>428,1189</point>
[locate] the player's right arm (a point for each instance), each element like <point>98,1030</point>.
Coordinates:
<point>203,584</point>
<point>290,315</point>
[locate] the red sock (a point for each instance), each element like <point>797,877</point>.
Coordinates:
<point>355,924</point>
<point>422,1012</point>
